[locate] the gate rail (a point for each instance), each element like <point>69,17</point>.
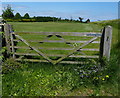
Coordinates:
<point>12,37</point>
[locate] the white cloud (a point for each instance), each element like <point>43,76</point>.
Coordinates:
<point>60,0</point>
<point>75,15</point>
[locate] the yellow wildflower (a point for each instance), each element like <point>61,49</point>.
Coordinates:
<point>107,76</point>
<point>103,79</point>
<point>97,78</point>
<point>15,94</point>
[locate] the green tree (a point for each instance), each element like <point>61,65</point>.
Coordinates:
<point>81,19</point>
<point>88,21</point>
<point>17,16</point>
<point>7,12</point>
<point>26,16</point>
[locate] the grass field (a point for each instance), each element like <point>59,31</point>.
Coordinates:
<point>44,79</point>
<point>55,27</point>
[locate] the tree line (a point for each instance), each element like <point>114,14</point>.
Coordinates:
<point>8,15</point>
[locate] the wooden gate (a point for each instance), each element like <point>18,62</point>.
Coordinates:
<point>58,47</point>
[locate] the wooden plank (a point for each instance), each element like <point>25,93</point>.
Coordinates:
<point>87,49</point>
<point>2,24</point>
<point>83,56</point>
<point>98,34</point>
<point>73,62</point>
<point>18,47</point>
<point>105,44</point>
<point>12,43</point>
<point>58,55</point>
<point>33,48</point>
<point>77,48</point>
<point>35,54</point>
<point>66,62</point>
<point>57,41</point>
<point>7,37</point>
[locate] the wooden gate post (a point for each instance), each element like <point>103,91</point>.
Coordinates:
<point>7,37</point>
<point>0,45</point>
<point>12,43</point>
<point>105,44</point>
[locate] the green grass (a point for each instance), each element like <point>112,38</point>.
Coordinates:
<point>45,79</point>
<point>54,27</point>
<point>61,80</point>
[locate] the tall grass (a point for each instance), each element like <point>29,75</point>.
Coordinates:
<point>113,65</point>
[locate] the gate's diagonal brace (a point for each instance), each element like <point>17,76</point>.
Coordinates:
<point>47,58</point>
<point>76,49</point>
<point>81,52</point>
<point>33,48</point>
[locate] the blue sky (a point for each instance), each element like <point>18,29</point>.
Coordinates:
<point>93,10</point>
<point>59,0</point>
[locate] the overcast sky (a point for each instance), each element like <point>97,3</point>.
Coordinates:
<point>93,10</point>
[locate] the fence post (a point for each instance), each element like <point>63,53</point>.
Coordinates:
<point>7,37</point>
<point>105,44</point>
<point>12,42</point>
<point>0,45</point>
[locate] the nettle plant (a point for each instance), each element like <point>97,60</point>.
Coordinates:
<point>10,65</point>
<point>7,64</point>
<point>92,73</point>
<point>1,52</point>
<point>2,49</point>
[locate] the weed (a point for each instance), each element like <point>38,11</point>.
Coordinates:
<point>9,65</point>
